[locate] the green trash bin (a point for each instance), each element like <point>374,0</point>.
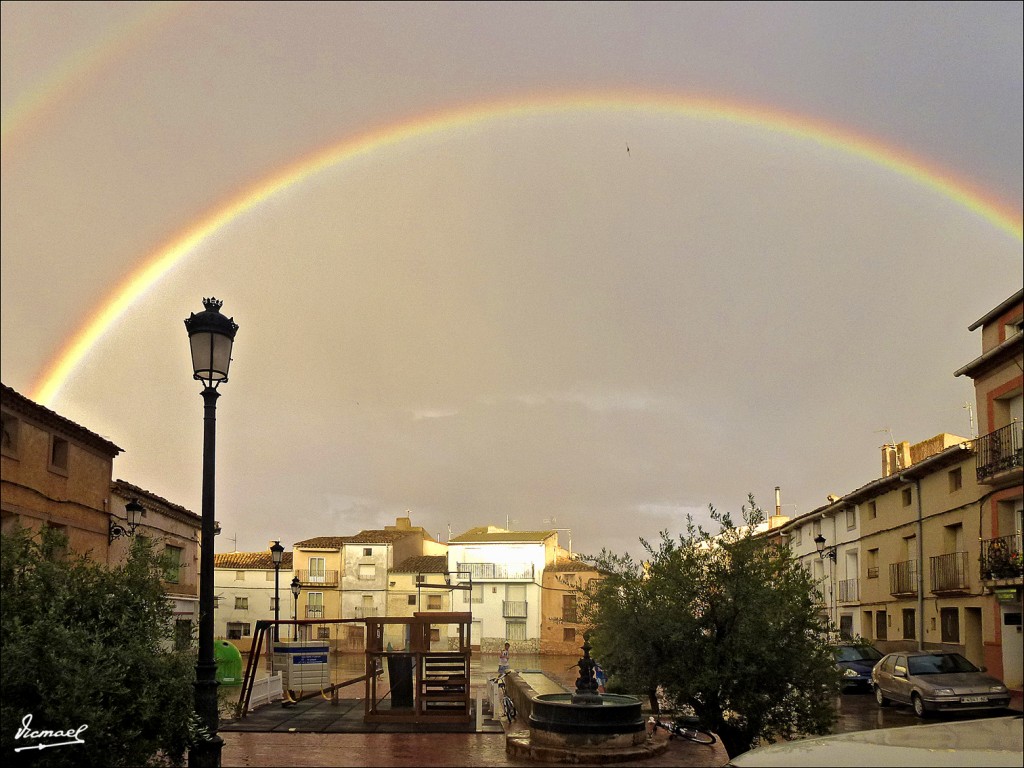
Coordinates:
<point>229,663</point>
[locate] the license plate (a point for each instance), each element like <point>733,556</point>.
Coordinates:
<point>973,699</point>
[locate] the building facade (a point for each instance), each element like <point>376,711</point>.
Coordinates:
<point>246,590</point>
<point>999,470</point>
<point>561,628</point>
<point>502,571</point>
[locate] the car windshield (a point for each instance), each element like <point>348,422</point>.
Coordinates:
<point>939,664</point>
<point>857,653</point>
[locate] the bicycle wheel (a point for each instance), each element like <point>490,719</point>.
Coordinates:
<point>697,737</point>
<point>510,710</point>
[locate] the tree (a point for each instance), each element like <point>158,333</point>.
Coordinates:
<point>84,644</point>
<point>725,625</point>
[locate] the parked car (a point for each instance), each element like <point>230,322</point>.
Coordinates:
<point>936,681</point>
<point>855,662</point>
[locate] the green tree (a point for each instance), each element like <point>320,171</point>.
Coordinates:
<point>84,644</point>
<point>725,625</point>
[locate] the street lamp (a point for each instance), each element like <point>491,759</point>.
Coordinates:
<point>134,511</point>
<point>276,553</point>
<point>211,336</point>
<point>823,551</point>
<point>296,588</point>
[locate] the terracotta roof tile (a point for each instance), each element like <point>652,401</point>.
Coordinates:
<point>21,404</point>
<point>250,560</point>
<point>422,564</point>
<point>491,533</point>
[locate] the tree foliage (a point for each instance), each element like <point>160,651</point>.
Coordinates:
<point>725,625</point>
<point>84,644</point>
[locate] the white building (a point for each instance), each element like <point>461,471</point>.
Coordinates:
<point>505,570</point>
<point>244,594</point>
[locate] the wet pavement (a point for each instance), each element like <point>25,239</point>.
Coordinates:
<point>286,748</point>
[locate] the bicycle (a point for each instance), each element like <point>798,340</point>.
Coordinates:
<point>685,728</point>
<point>507,704</point>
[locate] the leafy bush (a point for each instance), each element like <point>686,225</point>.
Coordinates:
<point>86,644</point>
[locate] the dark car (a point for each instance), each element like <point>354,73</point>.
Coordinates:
<point>855,662</point>
<point>936,681</point>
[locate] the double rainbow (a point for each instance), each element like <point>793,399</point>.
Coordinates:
<point>167,255</point>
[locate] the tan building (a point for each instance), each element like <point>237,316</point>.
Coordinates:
<point>999,469</point>
<point>417,585</point>
<point>346,577</point>
<point>561,632</point>
<point>54,472</point>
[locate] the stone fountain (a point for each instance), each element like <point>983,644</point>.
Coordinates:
<point>584,726</point>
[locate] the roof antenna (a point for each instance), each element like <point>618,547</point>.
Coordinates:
<point>970,412</point>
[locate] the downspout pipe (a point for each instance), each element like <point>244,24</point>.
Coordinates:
<point>920,561</point>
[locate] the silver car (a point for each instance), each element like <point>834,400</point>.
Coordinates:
<point>936,681</point>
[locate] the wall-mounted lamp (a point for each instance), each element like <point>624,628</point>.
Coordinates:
<point>823,551</point>
<point>135,511</point>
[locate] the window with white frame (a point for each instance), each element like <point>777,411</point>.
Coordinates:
<point>367,571</point>
<point>317,569</point>
<point>241,603</point>
<point>851,518</point>
<point>515,630</point>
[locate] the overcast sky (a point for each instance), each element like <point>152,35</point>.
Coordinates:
<point>511,319</point>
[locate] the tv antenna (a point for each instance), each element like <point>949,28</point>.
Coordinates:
<point>891,444</point>
<point>970,413</point>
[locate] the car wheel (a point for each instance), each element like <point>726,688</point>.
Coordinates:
<point>918,703</point>
<point>880,697</point>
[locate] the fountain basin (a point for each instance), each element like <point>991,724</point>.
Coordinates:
<point>613,723</point>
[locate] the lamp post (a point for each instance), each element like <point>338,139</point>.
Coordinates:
<point>211,336</point>
<point>828,553</point>
<point>296,588</point>
<point>276,553</point>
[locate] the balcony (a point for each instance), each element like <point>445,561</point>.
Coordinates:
<point>513,609</point>
<point>1000,451</point>
<point>496,571</point>
<point>317,578</point>
<point>364,612</point>
<point>849,590</point>
<point>903,578</point>
<point>949,573</point>
<point>314,611</point>
<point>1001,558</point>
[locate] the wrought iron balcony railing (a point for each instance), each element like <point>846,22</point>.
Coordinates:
<point>949,572</point>
<point>318,578</point>
<point>496,571</point>
<point>1000,451</point>
<point>1001,557</point>
<point>513,609</point>
<point>314,611</point>
<point>903,578</point>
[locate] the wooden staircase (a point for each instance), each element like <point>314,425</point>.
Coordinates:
<point>444,685</point>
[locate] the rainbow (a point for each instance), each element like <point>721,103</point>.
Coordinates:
<point>167,255</point>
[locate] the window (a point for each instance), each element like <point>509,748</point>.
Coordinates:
<point>412,599</point>
<point>881,626</point>
<point>317,569</point>
<point>950,619</point>
<point>515,630</point>
<point>241,603</point>
<point>872,510</point>
<point>433,602</point>
<point>956,480</point>
<point>435,635</point>
<point>239,575</point>
<point>237,630</point>
<point>58,455</point>
<point>323,633</point>
<point>569,608</point>
<point>851,518</point>
<point>367,551</point>
<point>568,635</point>
<point>907,496</point>
<point>172,564</point>
<point>909,624</point>
<point>273,603</point>
<point>10,427</point>
<point>315,605</point>
<point>367,572</point>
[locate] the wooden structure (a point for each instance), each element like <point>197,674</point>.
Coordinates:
<point>427,686</point>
